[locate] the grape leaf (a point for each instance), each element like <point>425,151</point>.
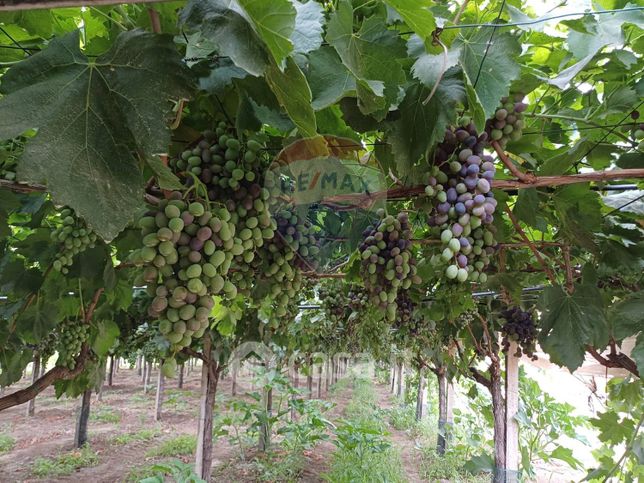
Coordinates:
<point>498,68</point>
<point>420,125</point>
<point>274,22</point>
<point>108,332</point>
<point>570,322</point>
<point>372,55</point>
<point>329,79</point>
<point>91,115</point>
<point>416,14</point>
<point>293,92</point>
<point>627,316</point>
<point>309,21</point>
<point>229,30</point>
<point>579,212</point>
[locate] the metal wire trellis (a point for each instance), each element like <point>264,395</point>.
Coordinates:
<point>489,43</point>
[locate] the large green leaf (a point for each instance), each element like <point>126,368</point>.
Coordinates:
<point>579,212</point>
<point>490,69</point>
<point>293,92</point>
<point>420,126</point>
<point>329,79</point>
<point>91,115</point>
<point>627,316</point>
<point>224,23</point>
<point>416,14</point>
<point>309,23</point>
<point>273,21</point>
<point>570,322</point>
<point>372,55</point>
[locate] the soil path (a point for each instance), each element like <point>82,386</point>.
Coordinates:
<point>409,453</point>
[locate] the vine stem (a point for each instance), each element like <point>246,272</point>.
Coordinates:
<point>564,117</point>
<point>57,373</point>
<point>507,162</point>
<point>628,448</point>
<point>536,253</point>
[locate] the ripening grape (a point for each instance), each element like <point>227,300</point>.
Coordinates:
<point>507,123</point>
<point>520,328</point>
<point>74,236</point>
<point>282,260</point>
<point>387,261</point>
<point>462,204</point>
<point>71,336</point>
<point>188,250</point>
<point>636,130</point>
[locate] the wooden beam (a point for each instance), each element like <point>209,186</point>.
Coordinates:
<point>6,5</point>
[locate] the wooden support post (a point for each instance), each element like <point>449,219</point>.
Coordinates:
<point>148,376</point>
<point>110,374</point>
<point>158,403</point>
<point>441,443</point>
<point>138,365</point>
<point>309,377</point>
<point>328,374</point>
<point>209,379</point>
<point>80,436</point>
<point>43,366</point>
<point>144,367</point>
<point>393,377</point>
<point>512,451</point>
<point>320,381</point>
<point>401,379</point>
<point>182,368</point>
<point>419,395</point>
<point>233,387</point>
<point>35,371</point>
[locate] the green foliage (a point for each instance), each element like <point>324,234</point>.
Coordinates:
<point>6,443</point>
<point>105,414</point>
<point>179,471</point>
<point>135,437</point>
<point>363,451</point>
<point>64,464</point>
<point>448,467</point>
<point>110,105</point>
<point>177,446</point>
<point>620,433</point>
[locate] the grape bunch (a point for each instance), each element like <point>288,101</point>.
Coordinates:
<point>519,327</point>
<point>75,237</point>
<point>387,261</point>
<point>507,123</point>
<point>231,171</point>
<point>637,130</point>
<point>358,298</point>
<point>405,312</point>
<point>334,302</point>
<point>220,160</point>
<point>282,259</point>
<point>462,204</point>
<point>189,250</point>
<point>71,336</point>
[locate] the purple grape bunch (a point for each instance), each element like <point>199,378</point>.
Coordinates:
<point>387,260</point>
<point>520,328</point>
<point>463,205</point>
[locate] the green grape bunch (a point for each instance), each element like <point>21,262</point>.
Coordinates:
<point>188,249</point>
<point>74,236</point>
<point>507,123</point>
<point>387,260</point>
<point>72,334</point>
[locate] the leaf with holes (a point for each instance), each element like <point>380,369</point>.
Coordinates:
<point>92,115</point>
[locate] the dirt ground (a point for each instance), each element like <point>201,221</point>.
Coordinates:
<point>128,409</point>
<point>50,431</point>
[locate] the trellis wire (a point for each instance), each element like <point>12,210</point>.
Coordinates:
<point>619,208</point>
<point>14,40</point>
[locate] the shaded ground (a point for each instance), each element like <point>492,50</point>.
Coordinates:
<point>126,410</point>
